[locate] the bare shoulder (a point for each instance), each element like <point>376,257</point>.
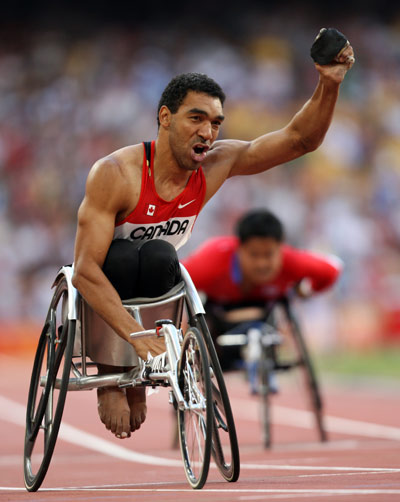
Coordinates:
<point>114,181</point>
<point>226,150</point>
<point>129,158</point>
<point>123,163</point>
<point>219,163</point>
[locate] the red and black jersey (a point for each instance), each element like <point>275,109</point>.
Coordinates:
<point>215,270</point>
<point>156,218</point>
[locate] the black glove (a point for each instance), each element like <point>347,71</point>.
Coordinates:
<point>327,45</point>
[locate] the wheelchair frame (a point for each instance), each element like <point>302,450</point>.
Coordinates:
<point>189,366</point>
<point>272,361</point>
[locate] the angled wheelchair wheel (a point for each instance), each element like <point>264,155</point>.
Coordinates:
<point>48,388</point>
<point>195,421</point>
<point>264,372</point>
<point>298,360</point>
<point>224,448</point>
<point>310,381</point>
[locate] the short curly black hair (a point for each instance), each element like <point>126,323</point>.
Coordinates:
<point>176,91</point>
<point>259,223</point>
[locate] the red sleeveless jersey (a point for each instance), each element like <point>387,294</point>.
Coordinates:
<point>155,218</point>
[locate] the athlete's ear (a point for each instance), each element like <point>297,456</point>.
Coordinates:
<point>164,116</point>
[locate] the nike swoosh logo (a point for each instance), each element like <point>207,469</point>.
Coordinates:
<point>181,206</point>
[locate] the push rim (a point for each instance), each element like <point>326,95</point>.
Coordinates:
<point>225,448</point>
<point>195,421</point>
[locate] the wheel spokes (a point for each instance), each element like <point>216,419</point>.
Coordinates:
<point>48,388</point>
<point>195,419</point>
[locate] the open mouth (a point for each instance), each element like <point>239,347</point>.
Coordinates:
<point>200,149</point>
<point>199,152</point>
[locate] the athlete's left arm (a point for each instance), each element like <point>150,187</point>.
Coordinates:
<point>304,133</point>
<point>318,271</point>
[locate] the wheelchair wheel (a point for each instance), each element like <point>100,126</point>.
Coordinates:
<point>264,370</point>
<point>309,377</point>
<point>48,388</point>
<point>195,421</point>
<point>224,448</point>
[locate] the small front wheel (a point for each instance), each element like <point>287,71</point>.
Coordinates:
<point>195,420</point>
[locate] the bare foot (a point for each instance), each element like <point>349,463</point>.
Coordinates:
<point>114,411</point>
<point>137,403</point>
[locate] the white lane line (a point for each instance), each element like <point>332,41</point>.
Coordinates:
<point>81,438</point>
<point>284,496</point>
<point>346,474</point>
<point>15,460</point>
<point>15,413</point>
<point>279,496</point>
<point>283,415</point>
<point>310,491</point>
<point>277,467</point>
<point>357,427</point>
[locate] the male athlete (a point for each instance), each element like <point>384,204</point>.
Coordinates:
<point>138,208</point>
<point>246,271</point>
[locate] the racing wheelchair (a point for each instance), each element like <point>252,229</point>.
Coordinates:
<point>278,346</point>
<point>74,338</point>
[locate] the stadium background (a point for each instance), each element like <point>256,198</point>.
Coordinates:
<point>78,80</point>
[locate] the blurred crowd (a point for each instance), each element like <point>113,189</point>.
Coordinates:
<point>68,100</point>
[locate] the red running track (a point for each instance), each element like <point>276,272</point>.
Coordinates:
<point>361,461</point>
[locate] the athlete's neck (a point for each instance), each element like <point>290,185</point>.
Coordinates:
<point>169,178</point>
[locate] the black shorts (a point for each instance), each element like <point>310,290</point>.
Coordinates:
<point>142,269</point>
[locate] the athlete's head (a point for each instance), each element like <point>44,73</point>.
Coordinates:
<point>178,88</point>
<point>189,117</point>
<point>260,235</point>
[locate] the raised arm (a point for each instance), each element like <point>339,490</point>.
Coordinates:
<point>305,131</point>
<point>106,196</point>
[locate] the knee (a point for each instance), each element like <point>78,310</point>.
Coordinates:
<point>160,269</point>
<point>121,267</point>
<point>160,255</point>
<point>119,256</point>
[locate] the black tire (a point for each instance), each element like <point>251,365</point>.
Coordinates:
<point>46,402</point>
<point>195,423</point>
<point>224,448</point>
<point>309,376</point>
